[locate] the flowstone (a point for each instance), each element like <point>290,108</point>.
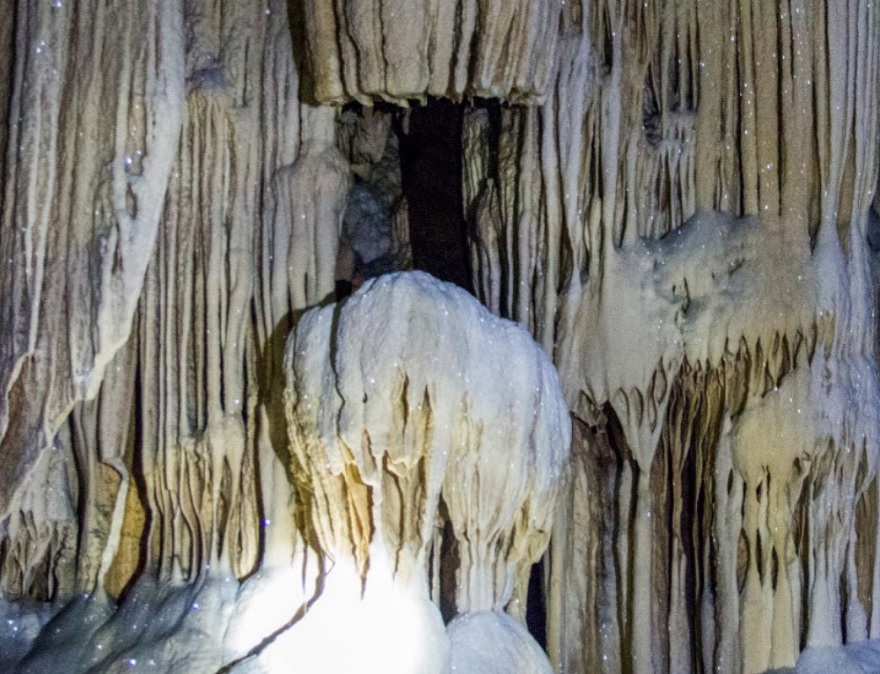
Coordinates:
<point>415,414</point>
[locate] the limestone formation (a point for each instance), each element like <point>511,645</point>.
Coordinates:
<point>399,50</point>
<point>413,412</point>
<point>675,198</point>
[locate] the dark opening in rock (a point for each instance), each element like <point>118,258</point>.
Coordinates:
<point>405,206</point>
<point>430,162</point>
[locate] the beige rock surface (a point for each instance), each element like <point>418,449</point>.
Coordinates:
<point>680,214</point>
<point>403,50</point>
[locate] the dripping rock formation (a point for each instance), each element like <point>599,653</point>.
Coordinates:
<point>212,458</point>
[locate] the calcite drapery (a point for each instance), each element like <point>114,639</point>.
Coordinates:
<point>86,168</point>
<point>397,50</point>
<point>724,372</point>
<point>111,206</point>
<point>726,473</point>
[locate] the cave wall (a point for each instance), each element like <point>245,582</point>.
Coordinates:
<point>721,369</point>
<point>676,203</point>
<point>169,235</point>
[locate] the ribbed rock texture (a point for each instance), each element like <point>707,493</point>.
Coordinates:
<point>675,198</point>
<point>688,224</point>
<point>402,50</point>
<point>85,171</point>
<point>415,415</point>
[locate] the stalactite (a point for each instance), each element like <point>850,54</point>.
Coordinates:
<point>397,51</point>
<point>198,294</point>
<point>757,116</point>
<point>159,473</point>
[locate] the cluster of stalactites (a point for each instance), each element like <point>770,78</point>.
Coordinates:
<point>752,507</point>
<point>753,109</point>
<point>399,50</point>
<point>410,404</point>
<point>195,211</point>
<point>748,417</point>
<point>649,121</point>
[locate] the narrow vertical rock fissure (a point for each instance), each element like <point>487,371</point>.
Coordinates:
<point>430,162</point>
<point>536,607</point>
<point>405,208</point>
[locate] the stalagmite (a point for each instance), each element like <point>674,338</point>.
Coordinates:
<point>403,416</point>
<point>511,649</point>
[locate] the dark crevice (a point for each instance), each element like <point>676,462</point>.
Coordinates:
<point>431,171</point>
<point>536,606</point>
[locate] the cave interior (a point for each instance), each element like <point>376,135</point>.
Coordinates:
<point>428,336</point>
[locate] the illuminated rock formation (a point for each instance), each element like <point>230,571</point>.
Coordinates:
<point>414,411</point>
<point>723,371</point>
